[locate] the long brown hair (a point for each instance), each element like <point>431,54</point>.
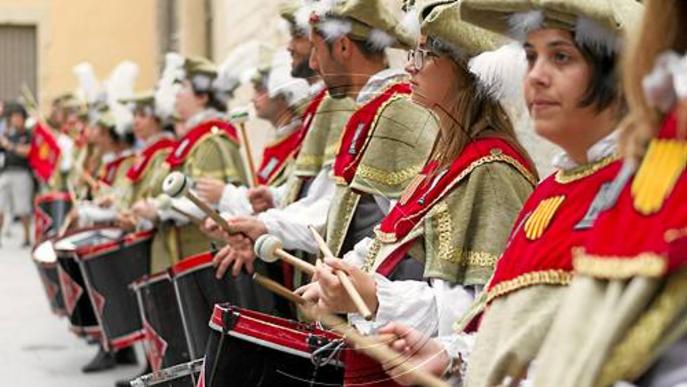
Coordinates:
<point>475,115</point>
<point>662,29</point>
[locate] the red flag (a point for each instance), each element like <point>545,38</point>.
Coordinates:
<point>44,153</point>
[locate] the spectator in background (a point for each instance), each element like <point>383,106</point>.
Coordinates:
<point>16,184</point>
<point>3,123</point>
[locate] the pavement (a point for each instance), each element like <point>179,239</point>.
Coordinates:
<point>36,348</point>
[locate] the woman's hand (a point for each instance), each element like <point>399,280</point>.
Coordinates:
<point>210,189</point>
<point>333,296</point>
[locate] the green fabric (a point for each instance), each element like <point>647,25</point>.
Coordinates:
<point>468,230</point>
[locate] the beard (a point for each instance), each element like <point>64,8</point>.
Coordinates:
<point>302,70</point>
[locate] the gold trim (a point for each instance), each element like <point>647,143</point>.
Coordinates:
<point>331,150</point>
<point>385,177</point>
<point>335,238</point>
<point>616,267</point>
<point>443,226</point>
<point>566,177</point>
<point>371,258</point>
<point>674,234</point>
<point>307,161</point>
<point>546,277</point>
<point>633,354</point>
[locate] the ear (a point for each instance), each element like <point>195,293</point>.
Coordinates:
<point>344,47</point>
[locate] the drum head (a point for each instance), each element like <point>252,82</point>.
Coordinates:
<point>45,253</point>
<point>88,238</point>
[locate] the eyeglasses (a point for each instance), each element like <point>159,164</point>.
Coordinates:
<point>419,57</point>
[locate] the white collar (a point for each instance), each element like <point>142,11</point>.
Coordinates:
<point>289,128</point>
<point>316,88</point>
<point>376,82</point>
<point>602,149</point>
<point>201,117</point>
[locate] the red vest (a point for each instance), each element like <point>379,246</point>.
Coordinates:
<point>136,171</point>
<point>185,144</point>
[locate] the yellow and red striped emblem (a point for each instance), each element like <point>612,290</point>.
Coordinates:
<point>541,217</point>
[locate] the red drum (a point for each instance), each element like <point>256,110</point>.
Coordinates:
<point>198,290</point>
<point>248,348</point>
<point>182,375</point>
<point>108,268</point>
<point>45,259</point>
<point>165,341</point>
<point>50,211</point>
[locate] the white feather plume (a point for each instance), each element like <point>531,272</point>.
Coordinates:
<point>168,85</point>
<point>592,34</point>
<point>335,28</point>
<point>523,22</point>
<point>302,16</point>
<point>379,39</point>
<point>120,84</point>
<point>237,66</point>
<point>89,86</point>
<point>410,22</point>
<point>501,72</point>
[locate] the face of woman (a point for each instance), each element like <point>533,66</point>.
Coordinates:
<point>433,78</point>
<point>144,125</point>
<point>187,102</point>
<point>557,80</point>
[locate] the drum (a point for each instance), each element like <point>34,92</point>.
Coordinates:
<point>164,338</point>
<point>77,302</point>
<point>182,375</point>
<point>108,269</point>
<point>248,348</point>
<point>45,259</point>
<point>198,290</point>
<point>50,211</point>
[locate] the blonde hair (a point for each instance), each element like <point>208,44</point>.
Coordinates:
<point>475,115</point>
<point>661,30</point>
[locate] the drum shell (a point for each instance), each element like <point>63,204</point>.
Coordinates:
<point>182,375</point>
<point>50,208</point>
<point>108,272</point>
<point>237,357</point>
<point>198,290</point>
<point>161,320</point>
<point>82,319</point>
<point>47,271</point>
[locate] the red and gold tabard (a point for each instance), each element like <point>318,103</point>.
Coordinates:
<point>311,111</point>
<point>357,133</point>
<point>110,170</point>
<point>194,136</point>
<point>135,173</point>
<point>432,186</point>
<point>557,218</point>
<point>275,157</point>
<point>644,231</point>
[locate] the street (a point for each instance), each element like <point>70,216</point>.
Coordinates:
<point>36,348</point>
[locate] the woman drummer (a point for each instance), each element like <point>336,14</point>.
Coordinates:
<point>573,96</point>
<point>436,248</point>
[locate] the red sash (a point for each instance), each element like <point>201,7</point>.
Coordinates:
<point>433,187</point>
<point>185,144</point>
<point>109,172</point>
<point>275,156</point>
<point>359,129</point>
<point>311,111</point>
<point>135,172</point>
<point>626,243</point>
<point>546,259</point>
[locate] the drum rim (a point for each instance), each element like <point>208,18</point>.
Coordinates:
<point>191,264</point>
<point>85,253</point>
<point>52,196</point>
<point>150,279</point>
<point>170,373</point>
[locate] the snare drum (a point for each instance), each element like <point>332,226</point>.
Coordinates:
<point>45,259</point>
<point>198,290</point>
<point>164,337</point>
<point>248,348</point>
<point>51,209</point>
<point>182,375</point>
<point>77,302</point>
<point>108,269</point>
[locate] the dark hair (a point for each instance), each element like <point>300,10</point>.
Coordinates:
<point>14,108</point>
<point>213,101</point>
<point>604,88</point>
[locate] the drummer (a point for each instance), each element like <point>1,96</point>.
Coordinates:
<point>575,100</point>
<point>157,142</point>
<point>208,146</point>
<point>278,98</point>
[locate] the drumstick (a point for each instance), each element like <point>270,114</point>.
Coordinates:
<point>269,249</point>
<point>239,116</point>
<point>164,202</point>
<point>373,348</point>
<point>343,277</point>
<point>177,184</point>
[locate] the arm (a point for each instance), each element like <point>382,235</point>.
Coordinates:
<point>234,201</point>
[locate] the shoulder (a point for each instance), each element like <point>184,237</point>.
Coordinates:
<point>401,119</point>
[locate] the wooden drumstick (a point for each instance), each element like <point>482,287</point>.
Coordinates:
<point>239,117</point>
<point>269,249</point>
<point>376,349</point>
<point>343,277</point>
<point>164,202</point>
<point>176,185</point>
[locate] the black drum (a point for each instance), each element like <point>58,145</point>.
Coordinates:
<point>248,348</point>
<point>45,259</point>
<point>198,291</point>
<point>182,375</point>
<point>165,341</point>
<point>50,211</point>
<point>108,269</point>
<point>77,301</point>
